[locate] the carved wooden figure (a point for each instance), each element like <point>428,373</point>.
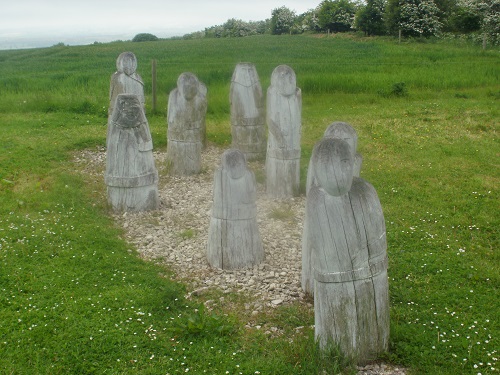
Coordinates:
<point>349,255</point>
<point>284,108</point>
<point>187,107</point>
<point>131,175</point>
<point>346,132</point>
<point>233,239</point>
<point>125,80</point>
<point>247,112</point>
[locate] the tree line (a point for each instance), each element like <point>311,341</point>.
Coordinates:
<point>474,19</point>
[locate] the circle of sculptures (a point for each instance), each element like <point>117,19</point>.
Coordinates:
<point>344,247</point>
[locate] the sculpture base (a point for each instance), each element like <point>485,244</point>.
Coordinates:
<point>136,199</point>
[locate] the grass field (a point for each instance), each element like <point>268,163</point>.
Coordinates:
<point>75,298</point>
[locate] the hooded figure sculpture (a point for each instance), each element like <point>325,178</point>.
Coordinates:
<point>125,80</point>
<point>348,254</point>
<point>284,108</point>
<point>248,129</point>
<point>186,133</point>
<point>341,130</point>
<point>131,175</point>
<point>233,239</point>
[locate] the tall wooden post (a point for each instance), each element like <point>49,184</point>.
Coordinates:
<point>153,85</point>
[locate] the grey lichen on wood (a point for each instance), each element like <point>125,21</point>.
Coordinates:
<point>131,176</point>
<point>341,130</point>
<point>345,131</point>
<point>284,110</point>
<point>349,255</point>
<point>248,129</point>
<point>186,133</point>
<point>233,239</point>
<point>125,80</point>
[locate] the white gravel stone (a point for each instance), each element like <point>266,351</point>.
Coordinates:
<point>176,234</point>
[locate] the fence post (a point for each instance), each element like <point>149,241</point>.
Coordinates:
<point>153,85</point>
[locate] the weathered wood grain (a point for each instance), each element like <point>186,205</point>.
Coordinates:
<point>284,110</point>
<point>341,130</point>
<point>186,133</point>
<point>349,255</point>
<point>233,239</point>
<point>131,176</point>
<point>125,80</point>
<point>248,129</point>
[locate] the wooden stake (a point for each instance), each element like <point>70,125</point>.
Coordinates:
<point>153,73</point>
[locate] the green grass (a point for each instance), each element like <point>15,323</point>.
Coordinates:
<point>74,296</point>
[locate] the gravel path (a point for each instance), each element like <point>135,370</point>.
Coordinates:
<point>176,235</point>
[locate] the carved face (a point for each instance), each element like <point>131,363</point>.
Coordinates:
<point>187,83</point>
<point>128,111</point>
<point>233,161</point>
<point>283,78</point>
<point>343,131</point>
<point>333,166</point>
<point>126,63</point>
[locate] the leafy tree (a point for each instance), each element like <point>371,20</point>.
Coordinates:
<point>336,15</point>
<point>392,16</point>
<point>308,21</point>
<point>237,28</point>
<point>489,13</point>
<point>491,20</point>
<point>464,20</point>
<point>145,37</point>
<point>420,18</point>
<point>282,20</point>
<point>446,8</point>
<point>370,18</point>
<point>413,17</point>
<point>262,27</point>
<point>216,31</point>
<point>194,35</point>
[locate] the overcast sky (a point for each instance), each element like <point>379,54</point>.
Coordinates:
<point>42,23</point>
